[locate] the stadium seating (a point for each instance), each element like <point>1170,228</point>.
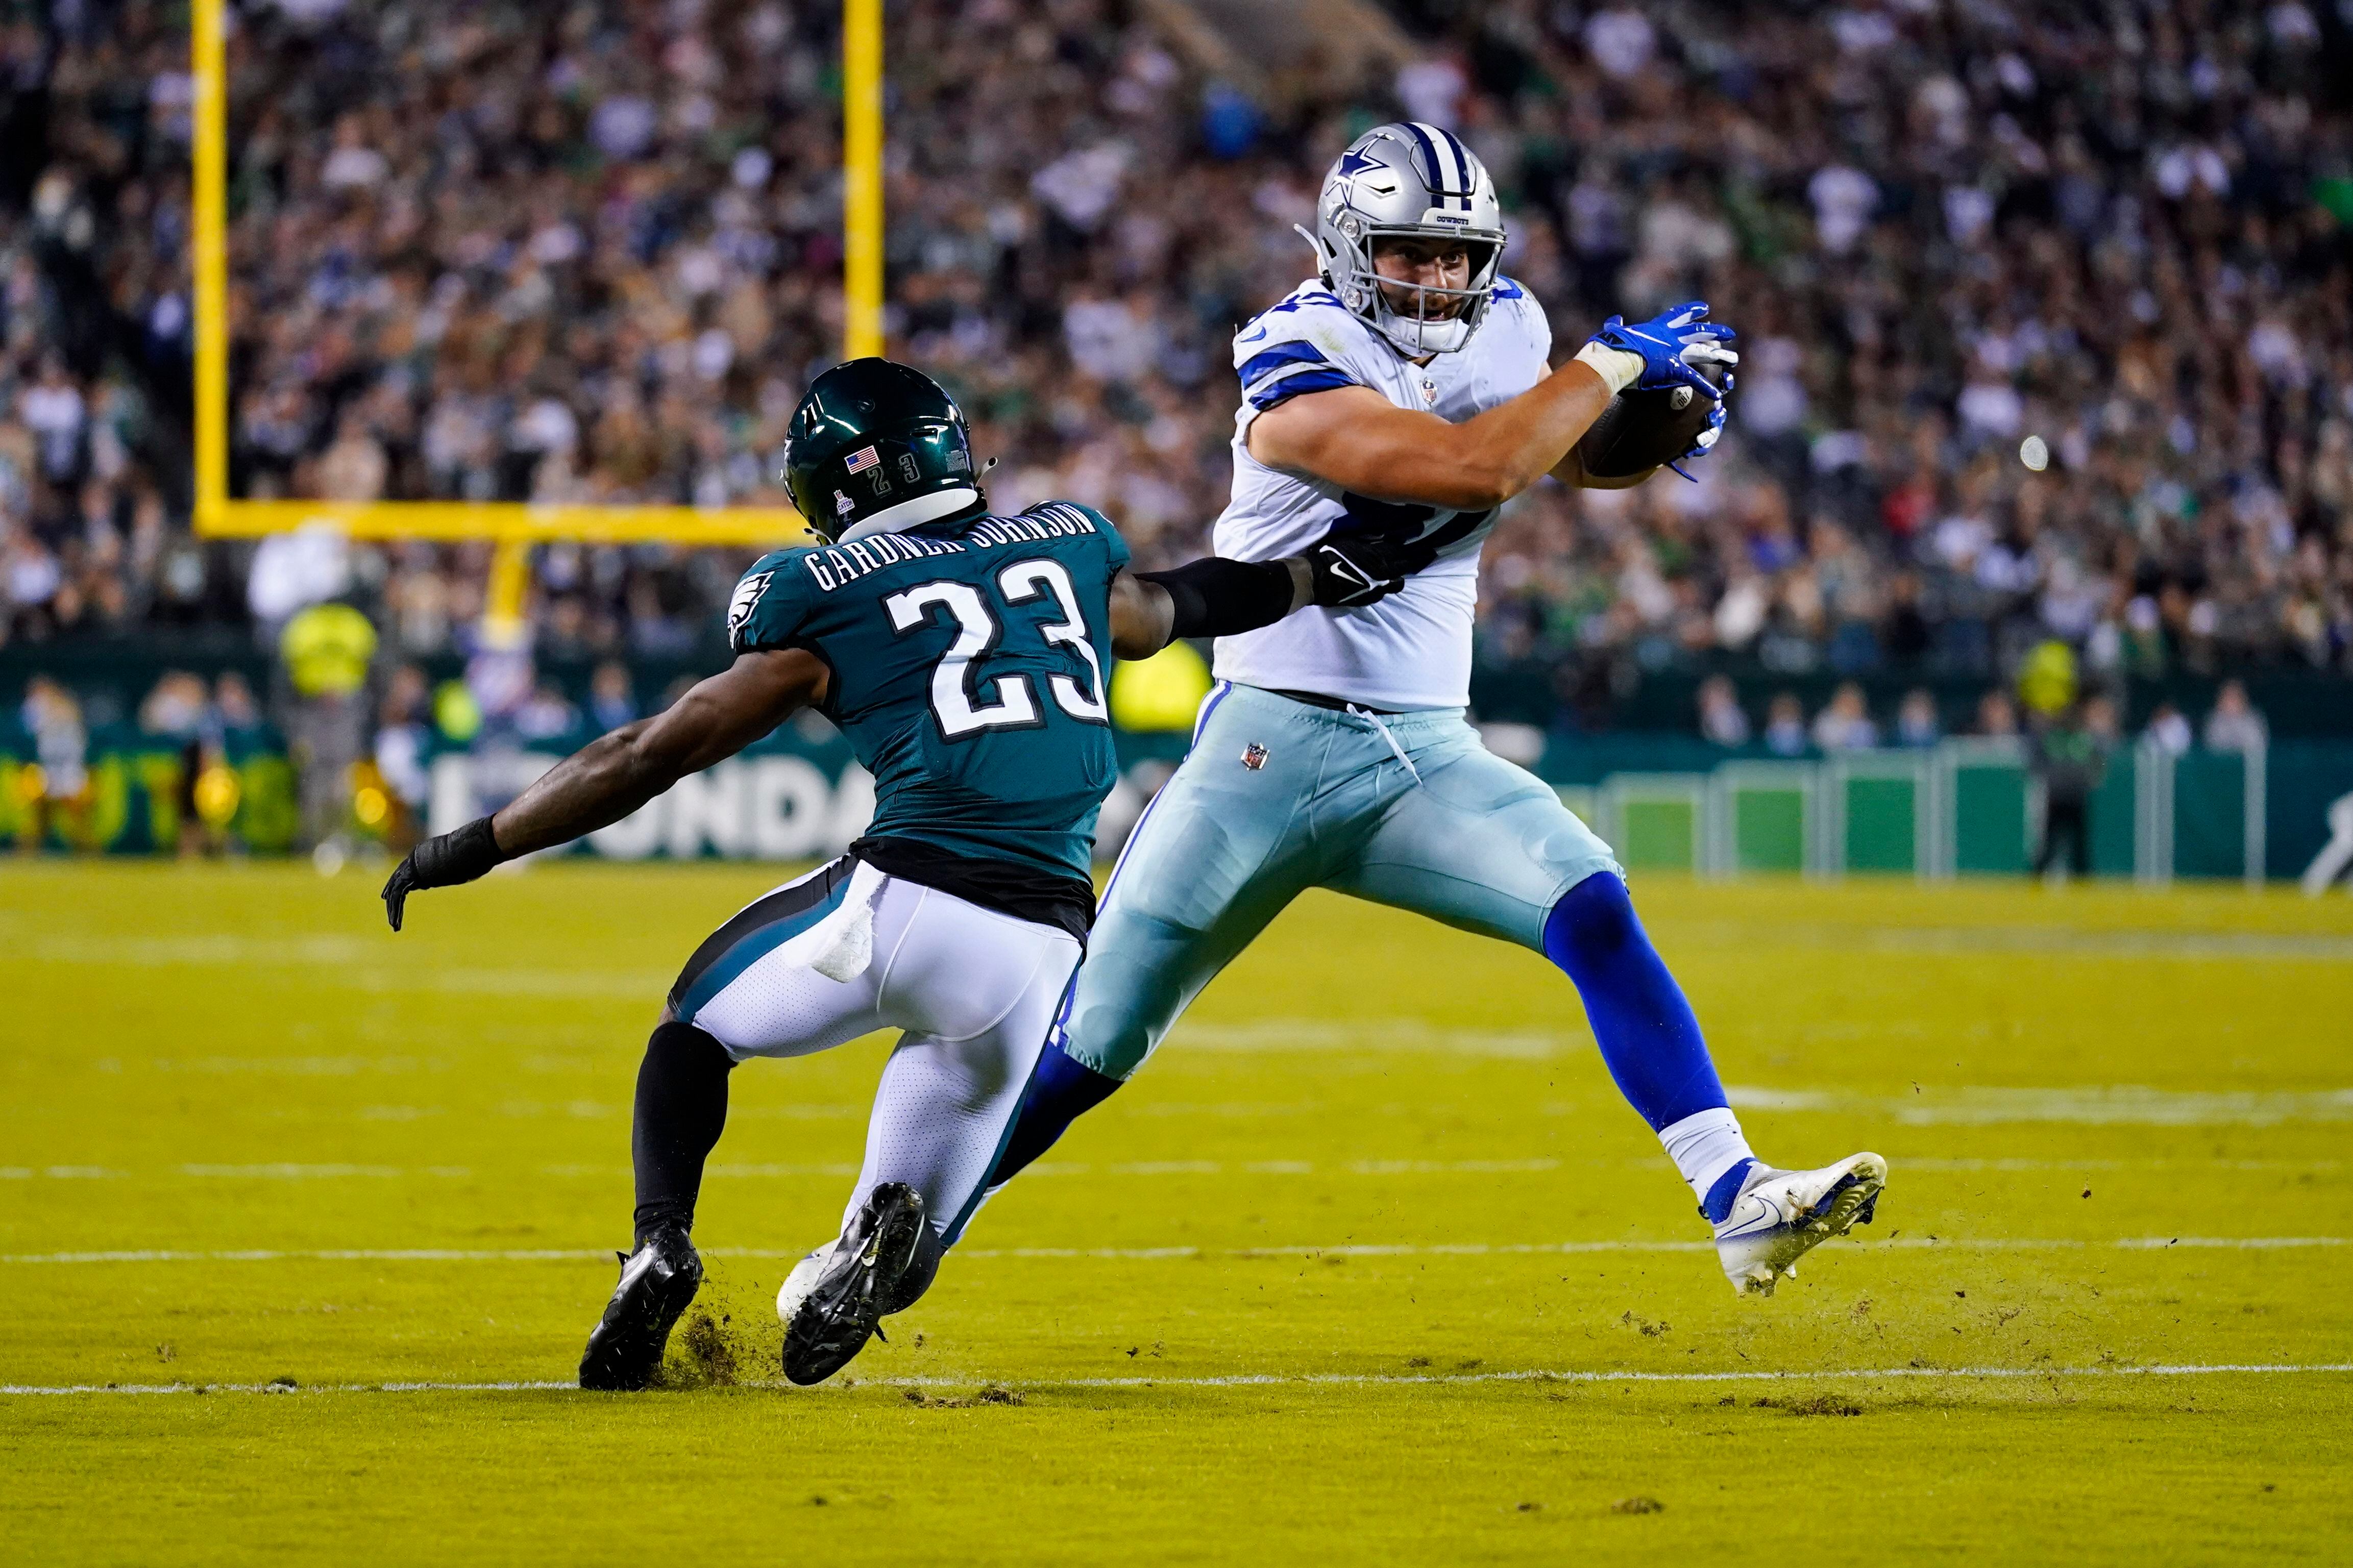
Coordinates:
<point>2047,334</point>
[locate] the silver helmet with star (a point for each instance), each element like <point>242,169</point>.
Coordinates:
<point>1413,180</point>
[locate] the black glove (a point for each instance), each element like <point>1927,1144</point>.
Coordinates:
<point>441,862</point>
<point>1349,570</point>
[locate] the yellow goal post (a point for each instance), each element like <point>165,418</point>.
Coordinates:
<point>514,526</point>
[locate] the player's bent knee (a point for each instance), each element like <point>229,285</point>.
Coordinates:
<point>1593,921</point>
<point>688,1047</point>
<point>1110,1039</point>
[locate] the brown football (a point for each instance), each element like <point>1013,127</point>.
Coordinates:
<point>1640,430</point>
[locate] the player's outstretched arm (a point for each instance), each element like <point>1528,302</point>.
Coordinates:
<point>1354,438</point>
<point>1216,597</point>
<point>615,775</point>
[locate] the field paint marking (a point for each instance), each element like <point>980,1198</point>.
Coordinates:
<point>1910,1164</point>
<point>368,965</point>
<point>356,964</point>
<point>339,1254</point>
<point>1257,1380</point>
<point>1302,1168</point>
<point>1344,1379</point>
<point>279,1067</point>
<point>1323,1035</point>
<point>149,952</point>
<point>1506,1250</point>
<point>281,1388</point>
<point>2104,1105</point>
<point>2041,942</point>
<point>1149,1254</point>
<point>289,1172</point>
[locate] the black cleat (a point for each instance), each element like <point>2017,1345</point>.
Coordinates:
<point>624,1349</point>
<point>882,1262</point>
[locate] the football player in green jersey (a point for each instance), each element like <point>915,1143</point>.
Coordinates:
<point>965,656</point>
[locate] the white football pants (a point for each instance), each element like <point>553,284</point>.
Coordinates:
<point>850,951</point>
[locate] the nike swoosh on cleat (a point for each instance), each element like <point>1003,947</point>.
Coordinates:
<point>1775,1220</point>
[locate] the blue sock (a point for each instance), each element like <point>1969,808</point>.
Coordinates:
<point>1061,1091</point>
<point>1649,1037</point>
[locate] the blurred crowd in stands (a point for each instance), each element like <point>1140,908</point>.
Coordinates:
<point>2048,308</point>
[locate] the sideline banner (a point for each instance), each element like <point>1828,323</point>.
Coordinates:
<point>790,798</point>
<point>132,798</point>
<point>800,795</point>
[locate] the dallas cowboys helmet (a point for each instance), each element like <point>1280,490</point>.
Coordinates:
<point>1415,180</point>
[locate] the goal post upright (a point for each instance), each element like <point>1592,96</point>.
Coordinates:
<point>514,526</point>
<point>862,185</point>
<point>209,214</point>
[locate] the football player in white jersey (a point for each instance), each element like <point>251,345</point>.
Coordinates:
<point>1404,394</point>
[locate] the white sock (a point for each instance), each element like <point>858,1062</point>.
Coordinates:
<point>1703,1146</point>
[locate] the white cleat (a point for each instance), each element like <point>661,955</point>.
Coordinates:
<point>1781,1215</point>
<point>803,1279</point>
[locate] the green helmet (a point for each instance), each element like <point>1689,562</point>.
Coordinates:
<point>876,448</point>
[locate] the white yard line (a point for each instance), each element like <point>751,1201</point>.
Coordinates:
<point>2037,942</point>
<point>2096,1105</point>
<point>1150,1254</point>
<point>1257,1380</point>
<point>1047,1169</point>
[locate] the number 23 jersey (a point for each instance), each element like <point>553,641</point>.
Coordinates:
<point>1412,649</point>
<point>969,662</point>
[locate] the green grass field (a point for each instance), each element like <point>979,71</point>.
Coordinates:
<point>1371,1263</point>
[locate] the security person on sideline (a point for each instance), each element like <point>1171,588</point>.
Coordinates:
<point>325,651</point>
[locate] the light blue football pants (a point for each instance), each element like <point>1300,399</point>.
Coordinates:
<point>1278,797</point>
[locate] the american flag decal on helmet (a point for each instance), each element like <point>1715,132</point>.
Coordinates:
<point>859,462</point>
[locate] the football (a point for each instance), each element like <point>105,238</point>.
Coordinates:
<point>1642,429</point>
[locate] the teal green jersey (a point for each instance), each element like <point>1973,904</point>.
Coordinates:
<point>970,663</point>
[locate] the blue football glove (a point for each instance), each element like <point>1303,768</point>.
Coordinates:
<point>1672,345</point>
<point>1708,438</point>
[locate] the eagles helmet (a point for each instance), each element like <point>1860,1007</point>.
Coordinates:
<point>878,447</point>
<point>1418,180</point>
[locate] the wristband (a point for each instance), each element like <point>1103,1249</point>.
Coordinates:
<point>459,857</point>
<point>1618,368</point>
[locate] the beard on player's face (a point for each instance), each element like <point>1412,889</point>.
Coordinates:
<point>1406,267</point>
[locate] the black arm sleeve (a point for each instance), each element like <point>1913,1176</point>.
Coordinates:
<point>1216,597</point>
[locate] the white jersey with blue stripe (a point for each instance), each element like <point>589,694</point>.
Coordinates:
<point>1412,649</point>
